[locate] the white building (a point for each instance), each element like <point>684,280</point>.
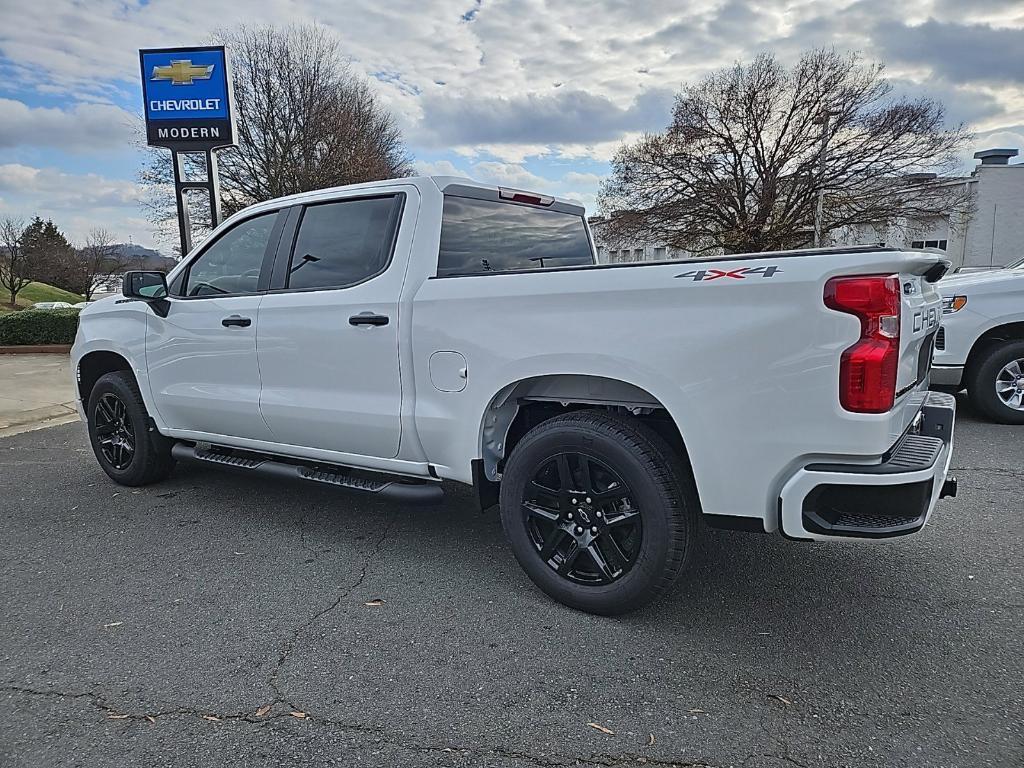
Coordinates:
<point>619,253</point>
<point>991,235</point>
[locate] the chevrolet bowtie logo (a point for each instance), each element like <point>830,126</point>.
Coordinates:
<point>182,72</point>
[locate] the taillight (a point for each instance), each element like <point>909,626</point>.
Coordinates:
<point>867,370</point>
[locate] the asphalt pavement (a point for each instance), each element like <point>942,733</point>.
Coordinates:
<point>218,621</point>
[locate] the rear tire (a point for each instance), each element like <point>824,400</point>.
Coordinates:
<point>127,447</point>
<point>996,386</point>
<point>620,527</point>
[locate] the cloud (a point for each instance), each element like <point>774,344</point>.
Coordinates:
<point>522,91</point>
<point>83,127</point>
<point>438,168</point>
<point>508,175</point>
<point>962,53</point>
<point>76,202</point>
<point>964,104</point>
<point>67,190</point>
<point>561,116</point>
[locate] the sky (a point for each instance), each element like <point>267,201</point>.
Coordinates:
<point>525,93</point>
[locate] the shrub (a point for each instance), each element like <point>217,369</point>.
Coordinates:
<point>39,326</point>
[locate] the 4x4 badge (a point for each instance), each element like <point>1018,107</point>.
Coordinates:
<point>740,273</point>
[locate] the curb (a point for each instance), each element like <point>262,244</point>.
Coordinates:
<point>38,418</point>
<point>36,349</point>
<point>55,421</point>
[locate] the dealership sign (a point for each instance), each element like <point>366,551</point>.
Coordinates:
<point>187,94</point>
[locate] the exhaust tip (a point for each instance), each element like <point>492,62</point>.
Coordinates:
<point>948,489</point>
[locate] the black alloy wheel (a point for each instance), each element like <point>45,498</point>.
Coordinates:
<point>114,431</point>
<point>582,519</point>
<point>127,444</point>
<point>600,511</point>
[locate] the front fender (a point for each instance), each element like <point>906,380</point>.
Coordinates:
<point>120,329</point>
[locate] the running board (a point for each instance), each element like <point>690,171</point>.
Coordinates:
<point>426,492</point>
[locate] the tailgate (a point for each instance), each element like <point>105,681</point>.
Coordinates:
<point>921,313</point>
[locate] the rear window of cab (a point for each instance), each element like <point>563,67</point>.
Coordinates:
<point>481,236</point>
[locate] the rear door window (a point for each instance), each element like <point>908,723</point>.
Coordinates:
<point>479,236</point>
<point>343,243</point>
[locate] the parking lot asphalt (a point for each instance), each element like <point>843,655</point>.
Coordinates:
<point>212,620</point>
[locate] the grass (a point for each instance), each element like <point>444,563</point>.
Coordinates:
<point>34,292</point>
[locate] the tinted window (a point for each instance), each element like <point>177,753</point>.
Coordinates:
<point>342,243</point>
<point>232,263</point>
<point>488,236</point>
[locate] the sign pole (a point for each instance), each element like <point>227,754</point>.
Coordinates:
<point>181,200</point>
<point>210,185</point>
<point>214,180</point>
<point>187,95</point>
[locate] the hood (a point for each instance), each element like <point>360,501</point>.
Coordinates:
<point>973,279</point>
<point>101,304</point>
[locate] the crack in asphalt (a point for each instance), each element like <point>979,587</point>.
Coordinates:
<point>112,712</point>
<point>552,760</point>
<point>289,645</point>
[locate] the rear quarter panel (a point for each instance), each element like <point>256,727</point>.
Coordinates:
<point>747,367</point>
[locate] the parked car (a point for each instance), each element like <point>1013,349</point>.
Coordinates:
<point>980,346</point>
<point>385,336</point>
<point>52,305</point>
<point>81,304</point>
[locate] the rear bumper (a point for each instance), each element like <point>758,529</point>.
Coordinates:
<point>947,375</point>
<point>892,497</point>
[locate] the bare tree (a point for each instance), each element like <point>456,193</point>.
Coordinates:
<point>14,265</point>
<point>101,259</point>
<point>742,164</point>
<point>305,121</point>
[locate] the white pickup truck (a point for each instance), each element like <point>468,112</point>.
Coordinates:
<point>386,336</point>
<point>980,346</point>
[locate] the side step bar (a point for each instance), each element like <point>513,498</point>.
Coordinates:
<point>426,492</point>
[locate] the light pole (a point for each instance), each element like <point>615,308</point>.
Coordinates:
<point>824,119</point>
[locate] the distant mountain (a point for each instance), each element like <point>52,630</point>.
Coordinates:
<point>144,258</point>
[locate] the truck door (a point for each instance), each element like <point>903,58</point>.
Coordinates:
<point>329,332</point>
<point>201,357</point>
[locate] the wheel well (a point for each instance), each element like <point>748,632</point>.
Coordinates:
<point>94,365</point>
<point>1007,332</point>
<point>520,407</point>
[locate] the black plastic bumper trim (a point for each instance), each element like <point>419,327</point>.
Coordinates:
<point>911,454</point>
<point>735,523</point>
<point>867,511</point>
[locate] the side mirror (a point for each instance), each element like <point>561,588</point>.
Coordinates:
<point>150,287</point>
<point>144,285</point>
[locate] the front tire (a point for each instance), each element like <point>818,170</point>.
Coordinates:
<point>997,384</point>
<point>599,512</point>
<point>127,448</point>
